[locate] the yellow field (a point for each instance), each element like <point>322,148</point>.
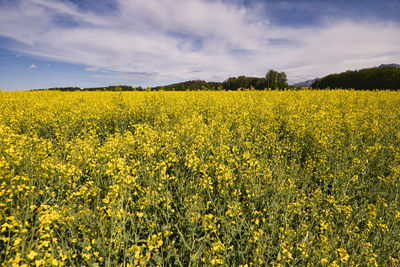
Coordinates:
<point>189,178</point>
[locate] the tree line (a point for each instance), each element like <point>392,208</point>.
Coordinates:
<point>384,77</point>
<point>273,80</point>
<point>108,88</point>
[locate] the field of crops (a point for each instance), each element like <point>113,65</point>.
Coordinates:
<point>200,178</point>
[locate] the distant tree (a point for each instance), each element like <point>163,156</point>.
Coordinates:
<point>261,84</point>
<point>281,80</point>
<point>276,79</point>
<point>234,83</point>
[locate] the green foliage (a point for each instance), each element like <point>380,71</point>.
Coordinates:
<point>194,85</point>
<point>386,77</point>
<point>234,83</point>
<point>276,80</point>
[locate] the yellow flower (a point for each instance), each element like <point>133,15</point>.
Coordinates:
<point>342,254</point>
<point>31,255</point>
<point>17,242</point>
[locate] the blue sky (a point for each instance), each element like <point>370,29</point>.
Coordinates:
<point>85,43</point>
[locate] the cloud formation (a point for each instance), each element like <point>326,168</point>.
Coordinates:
<point>32,66</point>
<point>172,40</point>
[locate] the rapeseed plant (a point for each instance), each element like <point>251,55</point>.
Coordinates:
<point>215,178</point>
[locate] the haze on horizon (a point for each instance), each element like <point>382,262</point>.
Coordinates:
<point>58,43</point>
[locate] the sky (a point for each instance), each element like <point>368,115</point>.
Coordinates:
<point>86,43</point>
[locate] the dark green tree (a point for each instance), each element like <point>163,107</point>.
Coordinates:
<point>276,80</point>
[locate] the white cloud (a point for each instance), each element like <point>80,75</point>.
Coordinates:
<point>169,40</point>
<point>32,66</point>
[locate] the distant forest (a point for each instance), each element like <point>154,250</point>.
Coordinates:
<point>384,77</point>
<point>273,80</point>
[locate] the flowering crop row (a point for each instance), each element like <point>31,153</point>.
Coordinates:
<point>205,178</point>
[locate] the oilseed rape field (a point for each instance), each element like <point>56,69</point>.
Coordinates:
<point>281,178</point>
